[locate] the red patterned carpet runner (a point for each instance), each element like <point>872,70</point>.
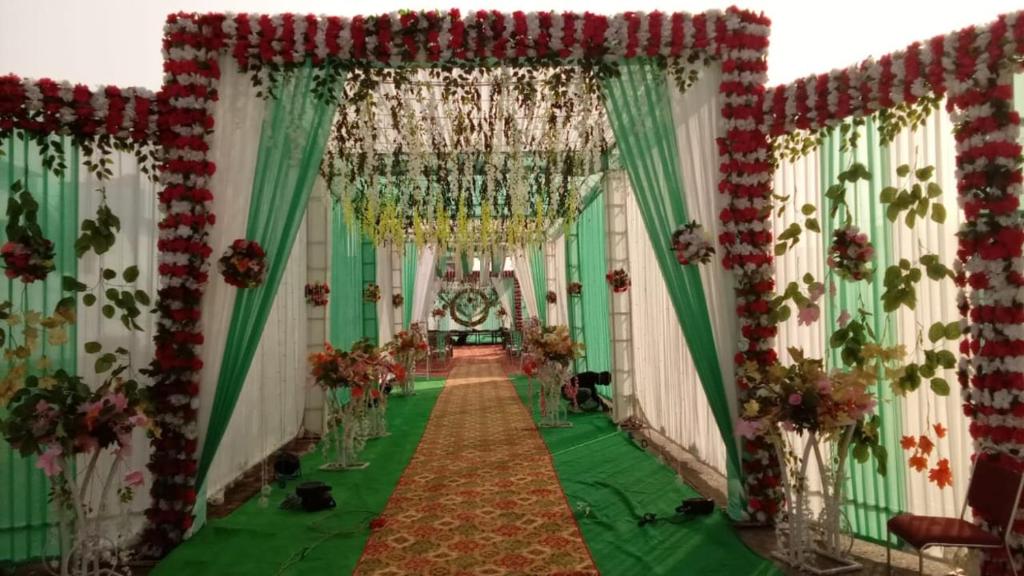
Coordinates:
<point>480,496</point>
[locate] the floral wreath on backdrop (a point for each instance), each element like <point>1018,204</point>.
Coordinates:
<point>244,264</point>
<point>267,46</point>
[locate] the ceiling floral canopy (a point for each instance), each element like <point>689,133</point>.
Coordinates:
<point>466,157</point>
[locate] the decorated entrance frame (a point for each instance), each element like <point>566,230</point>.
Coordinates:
<point>265,45</point>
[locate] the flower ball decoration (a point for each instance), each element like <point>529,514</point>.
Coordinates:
<point>244,264</point>
<point>691,245</point>
<point>851,253</point>
<point>316,293</point>
<point>397,300</point>
<point>551,297</point>
<point>619,280</point>
<point>371,294</point>
<point>28,261</point>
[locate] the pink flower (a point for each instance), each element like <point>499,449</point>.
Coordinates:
<point>42,407</point>
<point>118,400</point>
<point>816,290</point>
<point>843,319</point>
<point>795,399</point>
<point>140,420</point>
<point>748,429</point>
<point>133,479</point>
<point>824,385</point>
<point>50,461</point>
<point>808,315</point>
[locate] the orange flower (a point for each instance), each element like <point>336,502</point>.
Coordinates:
<point>940,430</point>
<point>941,474</point>
<point>908,442</point>
<point>925,445</point>
<point>918,462</point>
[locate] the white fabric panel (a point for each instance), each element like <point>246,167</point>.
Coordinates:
<point>522,269</point>
<point>697,116</point>
<point>557,277</point>
<point>933,145</point>
<point>426,260</point>
<point>132,197</point>
<point>385,311</point>
<point>238,116</point>
<point>666,384</point>
<point>270,407</point>
<point>504,288</point>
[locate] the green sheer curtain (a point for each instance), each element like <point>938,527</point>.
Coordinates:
<point>594,298</point>
<point>872,498</point>
<point>369,271</point>
<point>292,141</point>
<point>409,257</point>
<point>24,491</point>
<point>535,255</point>
<point>346,308</point>
<point>639,109</point>
<point>575,303</point>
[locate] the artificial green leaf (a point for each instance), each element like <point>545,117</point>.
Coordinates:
<point>940,386</point>
<point>108,311</point>
<point>807,209</point>
<point>93,347</point>
<point>938,213</point>
<point>903,170</point>
<point>936,332</point>
<point>812,225</point>
<point>953,330</point>
<point>89,299</point>
<point>926,173</point>
<point>130,274</point>
<point>888,195</point>
<point>934,190</point>
<point>109,274</point>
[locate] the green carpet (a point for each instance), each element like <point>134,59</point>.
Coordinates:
<point>610,482</point>
<point>256,541</point>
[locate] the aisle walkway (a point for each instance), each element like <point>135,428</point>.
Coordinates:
<point>480,495</point>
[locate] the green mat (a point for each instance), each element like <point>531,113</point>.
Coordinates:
<point>610,482</point>
<point>256,541</point>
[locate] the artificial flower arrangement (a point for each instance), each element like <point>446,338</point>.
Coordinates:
<point>574,289</point>
<point>27,255</point>
<point>244,264</point>
<point>692,245</point>
<point>850,254</point>
<point>371,294</point>
<point>316,293</point>
<point>397,300</point>
<point>551,297</point>
<point>553,344</point>
<point>618,279</point>
<point>438,313</point>
<point>407,348</point>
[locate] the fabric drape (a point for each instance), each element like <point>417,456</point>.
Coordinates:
<point>521,267</point>
<point>421,300</point>
<point>385,309</point>
<point>538,272</point>
<point>408,282</point>
<point>640,112</point>
<point>594,312</point>
<point>292,141</point>
<point>24,491</point>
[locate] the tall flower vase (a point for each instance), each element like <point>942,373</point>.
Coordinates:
<point>814,544</point>
<point>343,442</point>
<point>552,376</point>
<point>408,383</point>
<point>84,548</point>
<point>376,420</point>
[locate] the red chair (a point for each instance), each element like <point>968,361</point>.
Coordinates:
<point>995,492</point>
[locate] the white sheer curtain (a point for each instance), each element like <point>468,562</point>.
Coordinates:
<point>521,265</point>
<point>385,310</point>
<point>238,116</point>
<point>425,263</point>
<point>697,116</point>
<point>132,197</point>
<point>269,410</point>
<point>554,259</point>
<point>666,384</point>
